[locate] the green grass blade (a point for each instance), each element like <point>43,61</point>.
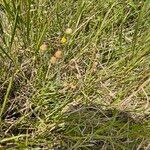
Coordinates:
<point>6,97</point>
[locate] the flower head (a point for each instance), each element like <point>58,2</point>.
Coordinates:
<point>68,31</point>
<point>63,40</point>
<point>43,47</point>
<point>53,60</point>
<point>58,54</point>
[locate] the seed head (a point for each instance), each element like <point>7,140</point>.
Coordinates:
<point>53,60</point>
<point>43,47</point>
<point>68,31</point>
<point>58,54</point>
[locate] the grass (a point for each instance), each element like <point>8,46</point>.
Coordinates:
<point>96,96</point>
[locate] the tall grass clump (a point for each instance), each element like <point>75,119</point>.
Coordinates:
<point>75,75</point>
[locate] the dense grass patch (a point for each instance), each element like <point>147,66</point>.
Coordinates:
<point>87,87</point>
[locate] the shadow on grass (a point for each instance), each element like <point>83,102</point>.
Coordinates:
<point>93,128</point>
<point>83,127</point>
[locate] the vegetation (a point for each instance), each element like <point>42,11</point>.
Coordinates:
<point>75,74</point>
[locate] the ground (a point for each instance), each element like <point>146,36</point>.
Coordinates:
<point>75,74</point>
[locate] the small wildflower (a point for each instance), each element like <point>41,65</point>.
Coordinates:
<point>68,31</point>
<point>53,60</point>
<point>58,54</point>
<point>63,40</point>
<point>43,47</point>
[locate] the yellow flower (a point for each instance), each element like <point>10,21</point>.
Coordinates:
<point>63,40</point>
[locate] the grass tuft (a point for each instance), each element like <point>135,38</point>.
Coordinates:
<point>75,74</point>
